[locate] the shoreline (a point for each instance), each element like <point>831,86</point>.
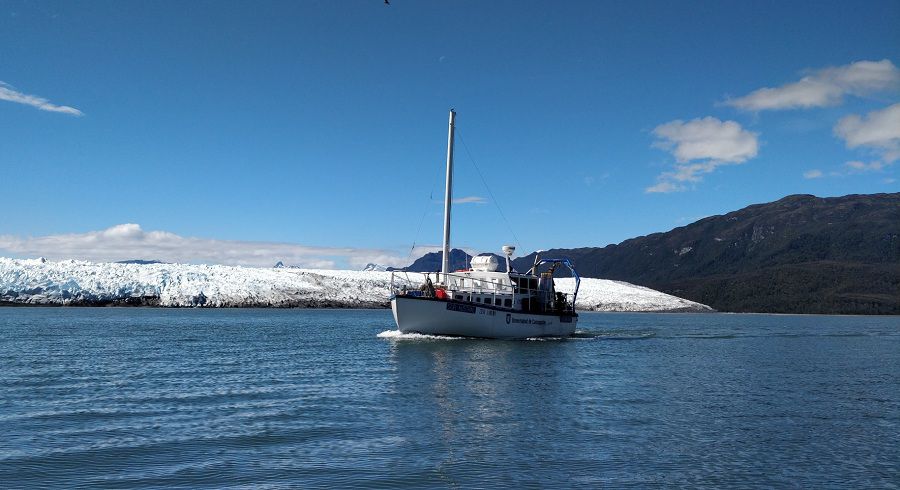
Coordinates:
<point>325,306</point>
<point>10,304</point>
<point>373,306</point>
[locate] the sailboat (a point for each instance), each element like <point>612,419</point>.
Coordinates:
<point>481,301</point>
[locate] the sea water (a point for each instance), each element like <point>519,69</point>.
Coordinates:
<point>132,398</point>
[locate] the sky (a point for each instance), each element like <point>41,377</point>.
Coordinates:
<point>315,133</point>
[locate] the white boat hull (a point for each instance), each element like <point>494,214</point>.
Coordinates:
<point>438,317</point>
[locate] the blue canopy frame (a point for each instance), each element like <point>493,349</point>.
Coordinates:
<point>571,267</point>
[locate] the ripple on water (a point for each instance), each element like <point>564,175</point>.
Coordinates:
<point>271,398</point>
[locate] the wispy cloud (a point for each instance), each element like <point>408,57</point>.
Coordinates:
<point>9,94</point>
<point>858,167</point>
<point>813,174</point>
<point>664,186</point>
<point>130,241</point>
<point>469,200</point>
<point>877,131</point>
<point>590,180</point>
<point>700,146</point>
<point>824,87</point>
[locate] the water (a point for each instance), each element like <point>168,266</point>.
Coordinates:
<point>131,398</point>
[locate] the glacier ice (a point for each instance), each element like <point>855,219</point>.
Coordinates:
<point>74,282</point>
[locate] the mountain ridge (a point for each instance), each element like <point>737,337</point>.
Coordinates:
<point>799,254</point>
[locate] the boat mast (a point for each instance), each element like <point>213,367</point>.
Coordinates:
<point>448,197</point>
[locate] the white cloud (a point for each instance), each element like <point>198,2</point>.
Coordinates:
<point>824,87</point>
<point>129,241</point>
<point>700,146</point>
<point>707,139</point>
<point>877,131</point>
<point>857,166</point>
<point>469,200</point>
<point>7,93</point>
<point>664,187</point>
<point>813,174</point>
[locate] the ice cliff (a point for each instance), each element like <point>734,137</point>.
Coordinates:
<point>71,282</point>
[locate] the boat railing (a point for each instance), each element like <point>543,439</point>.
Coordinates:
<point>403,285</point>
<point>482,291</point>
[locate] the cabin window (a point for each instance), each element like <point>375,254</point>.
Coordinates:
<point>507,303</point>
<point>458,296</point>
<point>478,300</point>
<point>497,301</point>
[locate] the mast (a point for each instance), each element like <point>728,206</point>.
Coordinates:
<point>448,197</point>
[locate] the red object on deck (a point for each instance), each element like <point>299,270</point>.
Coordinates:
<point>440,294</point>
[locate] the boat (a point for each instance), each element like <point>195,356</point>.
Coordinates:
<point>481,301</point>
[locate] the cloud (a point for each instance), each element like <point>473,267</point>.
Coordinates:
<point>664,187</point>
<point>469,200</point>
<point>706,139</point>
<point>857,166</point>
<point>813,174</point>
<point>877,131</point>
<point>700,146</point>
<point>129,241</point>
<point>7,93</point>
<point>824,87</point>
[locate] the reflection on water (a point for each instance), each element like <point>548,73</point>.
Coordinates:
<point>462,398</point>
<point>161,398</point>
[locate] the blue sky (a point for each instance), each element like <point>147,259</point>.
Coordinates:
<point>315,132</point>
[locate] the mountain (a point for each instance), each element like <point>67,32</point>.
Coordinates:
<point>800,254</point>
<point>431,262</point>
<point>377,267</point>
<point>459,259</point>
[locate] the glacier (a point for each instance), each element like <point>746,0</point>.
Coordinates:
<point>75,282</point>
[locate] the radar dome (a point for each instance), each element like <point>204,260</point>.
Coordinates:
<point>485,263</point>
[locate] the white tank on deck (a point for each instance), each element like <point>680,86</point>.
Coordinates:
<point>485,263</point>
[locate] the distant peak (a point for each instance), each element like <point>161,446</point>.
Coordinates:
<point>797,197</point>
<point>376,267</point>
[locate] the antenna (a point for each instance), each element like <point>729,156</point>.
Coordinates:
<point>509,250</point>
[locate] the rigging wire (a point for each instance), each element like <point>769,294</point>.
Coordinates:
<point>483,181</point>
<point>422,219</point>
